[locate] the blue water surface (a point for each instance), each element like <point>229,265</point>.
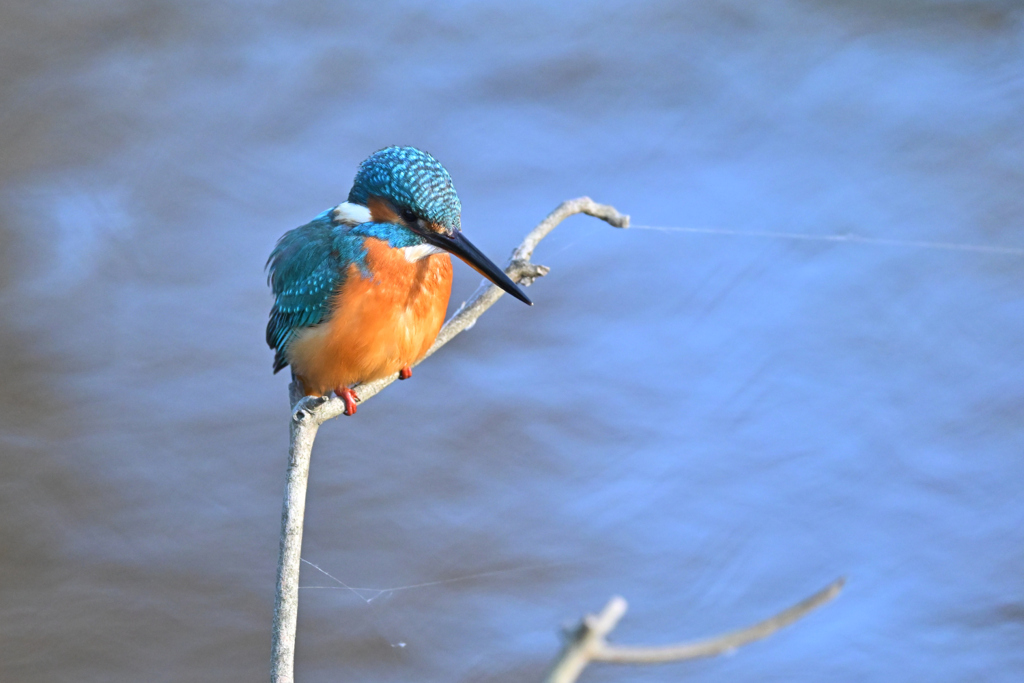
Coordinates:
<point>711,425</point>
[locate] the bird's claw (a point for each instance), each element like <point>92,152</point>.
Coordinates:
<point>349,397</point>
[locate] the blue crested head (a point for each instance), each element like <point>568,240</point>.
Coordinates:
<point>415,184</point>
<point>410,200</point>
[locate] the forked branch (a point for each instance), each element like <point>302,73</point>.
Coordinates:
<point>587,642</point>
<point>309,413</point>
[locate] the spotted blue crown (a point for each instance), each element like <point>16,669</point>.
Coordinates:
<point>413,180</point>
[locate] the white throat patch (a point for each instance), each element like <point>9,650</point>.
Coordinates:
<point>347,213</point>
<point>420,251</point>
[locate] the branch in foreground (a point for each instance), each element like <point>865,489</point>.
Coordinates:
<point>587,642</point>
<point>309,413</point>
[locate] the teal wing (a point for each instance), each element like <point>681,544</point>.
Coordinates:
<point>305,268</point>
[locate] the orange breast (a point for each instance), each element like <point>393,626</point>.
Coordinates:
<point>378,325</point>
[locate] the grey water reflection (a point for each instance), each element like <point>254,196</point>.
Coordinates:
<point>711,426</point>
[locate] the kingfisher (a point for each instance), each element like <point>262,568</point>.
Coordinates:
<point>360,292</point>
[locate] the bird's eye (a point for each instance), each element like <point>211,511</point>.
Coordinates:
<point>408,216</point>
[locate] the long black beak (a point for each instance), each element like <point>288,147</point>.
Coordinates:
<point>460,246</point>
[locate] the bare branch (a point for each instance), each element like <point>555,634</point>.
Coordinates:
<point>584,642</point>
<point>286,601</point>
<point>309,413</point>
<point>582,205</point>
<point>587,643</point>
<point>719,644</point>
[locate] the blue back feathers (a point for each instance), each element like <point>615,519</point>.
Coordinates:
<point>311,262</point>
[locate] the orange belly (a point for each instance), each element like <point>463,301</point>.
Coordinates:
<point>378,325</point>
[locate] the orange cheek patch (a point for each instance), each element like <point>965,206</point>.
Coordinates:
<point>381,211</point>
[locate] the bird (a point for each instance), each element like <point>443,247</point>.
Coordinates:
<point>360,292</point>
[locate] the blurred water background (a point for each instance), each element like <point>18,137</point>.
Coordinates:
<point>712,426</point>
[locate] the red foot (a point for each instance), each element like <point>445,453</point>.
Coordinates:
<point>405,373</point>
<point>349,397</point>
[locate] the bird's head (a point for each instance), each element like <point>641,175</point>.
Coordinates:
<point>406,186</point>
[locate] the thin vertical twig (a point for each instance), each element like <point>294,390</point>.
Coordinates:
<point>303,431</point>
